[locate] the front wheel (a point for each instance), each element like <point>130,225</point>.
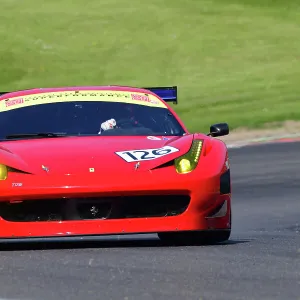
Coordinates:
<point>195,237</point>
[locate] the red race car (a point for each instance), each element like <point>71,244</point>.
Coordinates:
<point>105,160</point>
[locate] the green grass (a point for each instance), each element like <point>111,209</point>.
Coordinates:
<point>234,61</point>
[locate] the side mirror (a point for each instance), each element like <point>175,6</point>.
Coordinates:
<point>219,129</point>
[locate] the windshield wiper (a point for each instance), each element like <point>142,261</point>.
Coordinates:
<point>36,135</point>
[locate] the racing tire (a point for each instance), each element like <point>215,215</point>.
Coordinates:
<point>195,237</point>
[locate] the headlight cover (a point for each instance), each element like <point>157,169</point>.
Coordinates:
<point>3,172</point>
<point>188,162</point>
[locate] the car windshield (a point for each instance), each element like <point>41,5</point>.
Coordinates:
<point>86,117</point>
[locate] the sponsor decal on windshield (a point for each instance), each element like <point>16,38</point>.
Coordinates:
<point>72,96</point>
<point>13,102</point>
<point>144,97</point>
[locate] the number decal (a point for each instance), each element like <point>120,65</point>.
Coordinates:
<point>161,151</point>
<point>147,154</point>
<point>128,154</point>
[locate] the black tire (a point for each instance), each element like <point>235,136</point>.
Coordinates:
<point>195,237</point>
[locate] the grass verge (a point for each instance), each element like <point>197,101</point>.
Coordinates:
<point>234,61</point>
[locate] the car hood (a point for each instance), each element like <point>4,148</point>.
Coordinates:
<point>83,155</point>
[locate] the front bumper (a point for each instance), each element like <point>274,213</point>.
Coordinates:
<point>207,209</point>
<point>190,220</point>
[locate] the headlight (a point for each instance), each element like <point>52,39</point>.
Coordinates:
<point>188,162</point>
<point>3,172</point>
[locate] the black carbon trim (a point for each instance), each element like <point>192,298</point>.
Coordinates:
<point>225,183</point>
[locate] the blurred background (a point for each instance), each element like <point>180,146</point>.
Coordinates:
<point>235,61</point>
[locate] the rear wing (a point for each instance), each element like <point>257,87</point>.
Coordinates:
<point>168,94</point>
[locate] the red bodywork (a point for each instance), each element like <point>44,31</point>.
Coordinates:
<point>87,168</point>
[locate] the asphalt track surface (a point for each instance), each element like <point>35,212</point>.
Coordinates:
<point>261,261</point>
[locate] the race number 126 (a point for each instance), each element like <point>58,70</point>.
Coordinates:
<point>146,154</point>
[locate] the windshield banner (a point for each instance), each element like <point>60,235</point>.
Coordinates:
<point>71,96</point>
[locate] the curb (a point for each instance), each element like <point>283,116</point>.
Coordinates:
<point>288,138</point>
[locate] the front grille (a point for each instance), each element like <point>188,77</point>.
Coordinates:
<point>94,208</point>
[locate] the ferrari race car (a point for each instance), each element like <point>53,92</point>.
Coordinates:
<point>105,160</point>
